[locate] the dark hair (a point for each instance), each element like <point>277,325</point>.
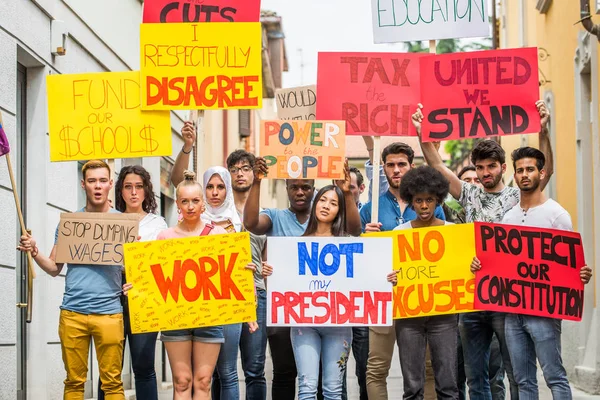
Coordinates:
<point>424,179</point>
<point>338,227</point>
<point>488,149</point>
<point>238,156</point>
<point>529,152</point>
<point>398,148</point>
<point>359,176</point>
<point>149,205</point>
<point>465,170</point>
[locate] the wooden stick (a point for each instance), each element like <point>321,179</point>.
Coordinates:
<point>194,118</point>
<point>433,46</point>
<point>375,190</point>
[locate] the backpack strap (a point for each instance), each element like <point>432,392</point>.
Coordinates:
<point>207,228</point>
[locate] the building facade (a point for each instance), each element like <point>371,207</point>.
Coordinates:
<point>569,83</point>
<point>44,37</point>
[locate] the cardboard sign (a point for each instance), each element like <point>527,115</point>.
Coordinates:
<point>373,92</point>
<point>201,11</point>
<point>416,20</point>
<point>433,264</point>
<point>527,270</point>
<point>95,238</point>
<point>98,116</point>
<point>201,66</point>
<point>480,94</point>
<point>297,103</point>
<point>190,282</point>
<point>329,281</point>
<point>303,149</point>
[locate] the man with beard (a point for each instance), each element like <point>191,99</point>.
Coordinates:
<point>485,204</point>
<point>529,337</point>
<point>397,159</point>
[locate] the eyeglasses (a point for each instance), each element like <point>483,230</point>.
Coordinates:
<point>244,168</point>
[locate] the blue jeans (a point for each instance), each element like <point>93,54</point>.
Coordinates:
<point>527,337</point>
<point>253,348</point>
<point>360,350</point>
<point>313,346</point>
<point>225,384</point>
<point>476,332</point>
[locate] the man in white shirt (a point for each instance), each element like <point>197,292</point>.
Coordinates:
<point>530,337</point>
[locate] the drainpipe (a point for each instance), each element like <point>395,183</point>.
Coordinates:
<point>586,19</point>
<point>225,135</point>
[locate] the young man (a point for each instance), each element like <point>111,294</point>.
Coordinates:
<point>485,204</point>
<point>397,159</point>
<point>530,337</point>
<point>357,185</point>
<point>91,306</point>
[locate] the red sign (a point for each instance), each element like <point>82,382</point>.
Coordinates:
<point>201,11</point>
<point>480,94</point>
<point>526,270</point>
<point>375,93</point>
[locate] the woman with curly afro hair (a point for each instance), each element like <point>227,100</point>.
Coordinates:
<point>425,188</point>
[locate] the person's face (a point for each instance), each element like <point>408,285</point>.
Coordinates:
<point>215,191</point>
<point>133,191</point>
<point>97,185</point>
<point>355,188</point>
<point>489,172</point>
<point>300,193</point>
<point>327,207</point>
<point>471,177</point>
<point>396,165</point>
<point>527,175</point>
<point>424,205</point>
<point>190,202</point>
<point>242,176</point>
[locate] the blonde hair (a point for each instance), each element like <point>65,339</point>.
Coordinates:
<point>94,164</point>
<point>189,179</point>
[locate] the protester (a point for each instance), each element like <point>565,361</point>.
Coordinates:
<point>397,160</point>
<point>134,194</point>
<point>357,185</point>
<point>91,306</point>
<point>530,337</point>
<point>485,204</point>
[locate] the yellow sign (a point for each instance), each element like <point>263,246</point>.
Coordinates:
<point>190,283</point>
<point>201,66</point>
<point>433,265</point>
<point>97,116</point>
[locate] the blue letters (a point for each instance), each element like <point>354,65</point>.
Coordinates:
<point>316,259</point>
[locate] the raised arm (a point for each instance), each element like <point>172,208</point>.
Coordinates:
<point>182,162</point>
<point>48,264</point>
<point>253,220</point>
<point>432,157</point>
<point>353,225</point>
<point>545,145</point>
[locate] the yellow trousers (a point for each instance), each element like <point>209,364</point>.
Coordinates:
<point>75,331</point>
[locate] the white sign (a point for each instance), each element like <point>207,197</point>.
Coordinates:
<point>329,281</point>
<point>412,20</point>
<point>297,103</point>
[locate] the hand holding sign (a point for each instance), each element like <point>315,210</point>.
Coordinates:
<point>260,169</point>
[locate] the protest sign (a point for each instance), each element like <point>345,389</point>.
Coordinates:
<point>527,270</point>
<point>296,103</point>
<point>480,94</point>
<point>330,281</point>
<point>303,149</point>
<point>97,116</point>
<point>433,265</point>
<point>373,92</point>
<point>201,66</point>
<point>201,11</point>
<point>416,20</point>
<point>95,238</point>
<point>190,282</point>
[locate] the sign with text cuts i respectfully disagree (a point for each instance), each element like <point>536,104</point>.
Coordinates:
<point>201,11</point>
<point>433,264</point>
<point>480,94</point>
<point>527,270</point>
<point>190,282</point>
<point>201,66</point>
<point>415,20</point>
<point>329,281</point>
<point>98,116</point>
<point>303,149</point>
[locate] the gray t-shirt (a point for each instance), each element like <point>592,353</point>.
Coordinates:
<point>482,206</point>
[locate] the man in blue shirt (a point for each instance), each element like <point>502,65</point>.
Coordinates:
<point>397,159</point>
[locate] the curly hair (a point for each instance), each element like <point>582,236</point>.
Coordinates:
<point>424,179</point>
<point>238,156</point>
<point>488,149</point>
<point>149,204</point>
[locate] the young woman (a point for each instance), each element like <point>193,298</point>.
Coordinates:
<point>425,188</point>
<point>134,194</point>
